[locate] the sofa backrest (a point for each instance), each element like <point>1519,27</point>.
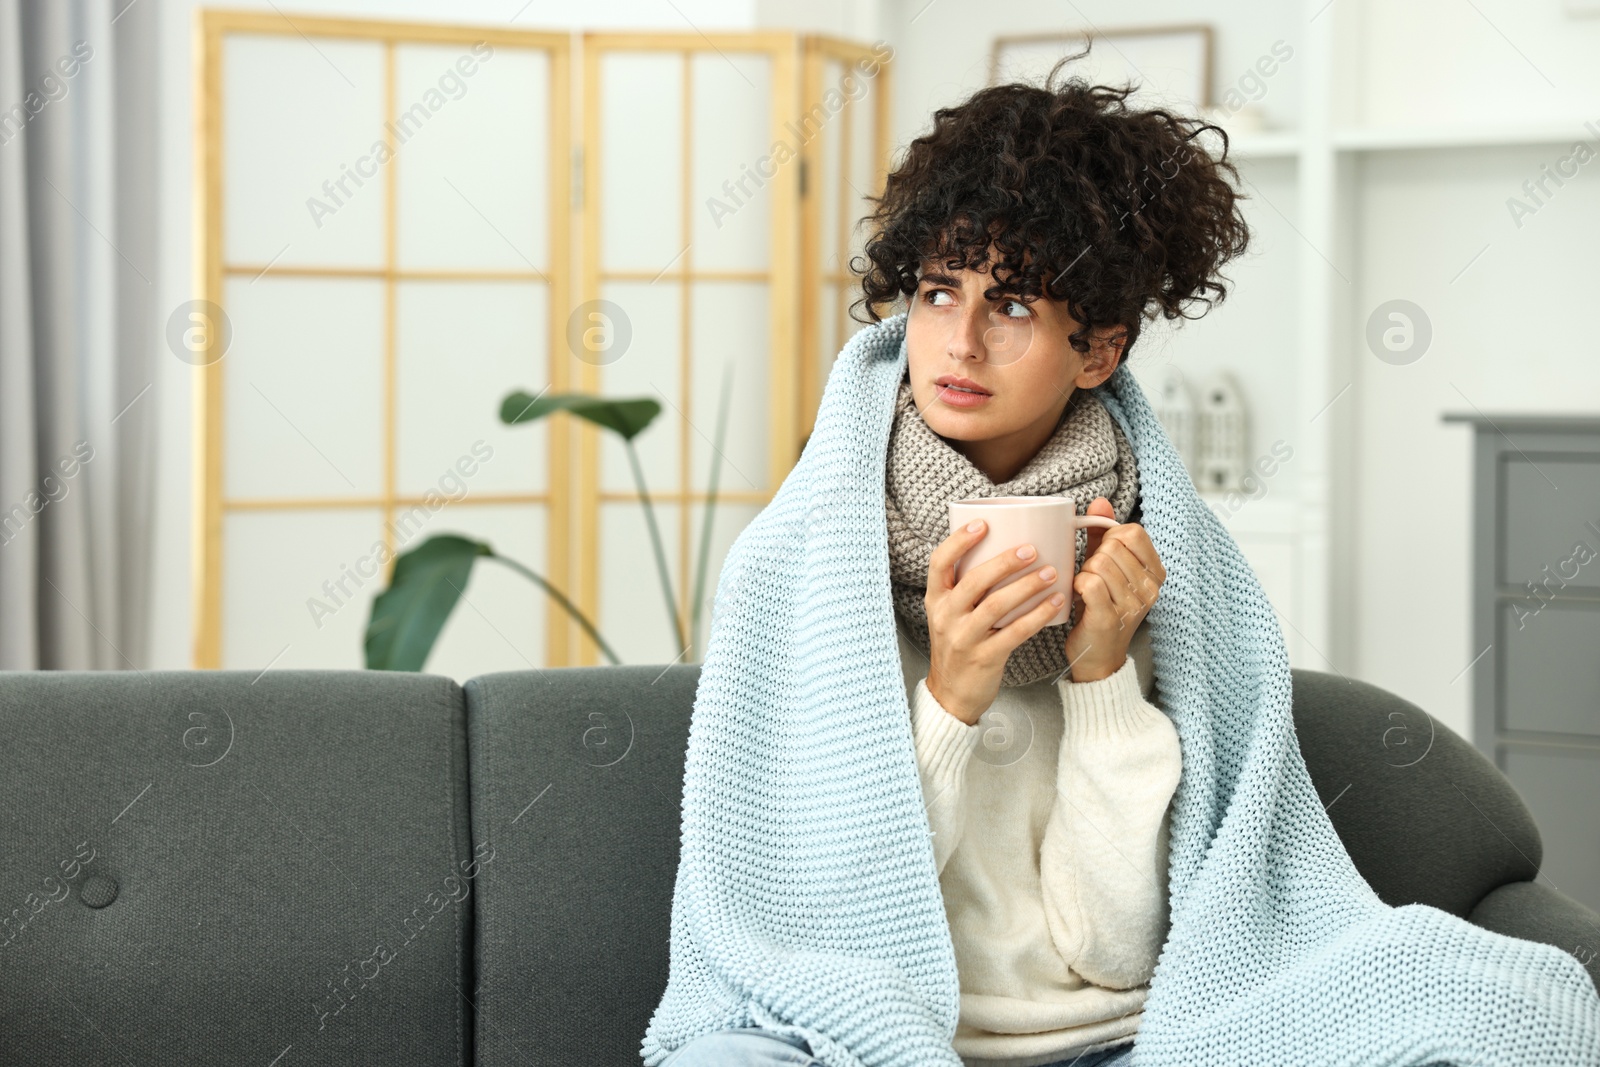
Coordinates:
<point>226,867</point>
<point>577,779</point>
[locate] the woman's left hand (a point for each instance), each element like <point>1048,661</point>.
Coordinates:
<point>1113,591</point>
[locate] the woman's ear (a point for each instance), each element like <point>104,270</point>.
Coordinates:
<point>1103,357</point>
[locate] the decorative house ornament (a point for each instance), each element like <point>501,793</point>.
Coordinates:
<point>1175,407</point>
<point>1221,454</point>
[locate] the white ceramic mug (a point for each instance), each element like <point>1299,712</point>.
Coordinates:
<point>1048,523</point>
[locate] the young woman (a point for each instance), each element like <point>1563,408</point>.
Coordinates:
<point>1029,234</point>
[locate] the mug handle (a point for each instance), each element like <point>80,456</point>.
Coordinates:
<point>1087,520</point>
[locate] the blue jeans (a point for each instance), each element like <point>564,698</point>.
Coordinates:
<point>754,1047</point>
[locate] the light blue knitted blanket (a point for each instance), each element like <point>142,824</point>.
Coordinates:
<point>807,900</point>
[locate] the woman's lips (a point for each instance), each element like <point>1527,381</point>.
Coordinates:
<point>959,399</point>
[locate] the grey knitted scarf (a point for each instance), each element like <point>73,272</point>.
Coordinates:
<point>1087,456</point>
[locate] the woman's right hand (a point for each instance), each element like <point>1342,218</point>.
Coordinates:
<point>967,658</point>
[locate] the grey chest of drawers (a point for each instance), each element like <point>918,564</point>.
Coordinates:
<point>1536,627</point>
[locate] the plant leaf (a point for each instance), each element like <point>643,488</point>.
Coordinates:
<point>627,417</point>
<point>407,616</point>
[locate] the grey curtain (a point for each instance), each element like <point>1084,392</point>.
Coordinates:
<point>79,330</point>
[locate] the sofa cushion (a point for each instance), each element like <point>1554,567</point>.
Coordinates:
<point>232,867</point>
<point>1426,818</point>
<point>577,780</point>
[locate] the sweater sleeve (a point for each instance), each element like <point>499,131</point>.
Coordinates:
<point>1103,858</point>
<point>943,744</point>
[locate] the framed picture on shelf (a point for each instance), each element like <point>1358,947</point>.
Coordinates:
<point>1170,65</point>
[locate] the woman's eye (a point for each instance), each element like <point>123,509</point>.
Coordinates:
<point>1020,309</point>
<point>933,297</point>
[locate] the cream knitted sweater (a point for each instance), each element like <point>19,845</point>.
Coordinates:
<point>1050,820</point>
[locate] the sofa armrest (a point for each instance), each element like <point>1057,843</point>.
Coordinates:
<point>1535,912</point>
<point>1425,817</point>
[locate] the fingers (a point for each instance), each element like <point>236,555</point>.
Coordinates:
<point>982,579</point>
<point>1096,595</point>
<point>1029,622</point>
<point>1006,598</point>
<point>1129,570</point>
<point>1137,540</point>
<point>942,562</point>
<point>1128,587</point>
<point>1130,545</point>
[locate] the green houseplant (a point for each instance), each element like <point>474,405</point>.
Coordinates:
<point>427,582</point>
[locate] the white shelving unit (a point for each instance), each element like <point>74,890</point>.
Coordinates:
<point>1406,138</point>
<point>1302,543</point>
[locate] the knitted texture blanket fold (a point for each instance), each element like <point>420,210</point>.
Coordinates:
<point>807,900</point>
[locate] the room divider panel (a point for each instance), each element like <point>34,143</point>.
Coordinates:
<point>721,173</point>
<point>383,223</point>
<point>689,243</point>
<point>384,220</point>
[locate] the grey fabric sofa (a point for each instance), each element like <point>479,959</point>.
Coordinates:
<point>371,868</point>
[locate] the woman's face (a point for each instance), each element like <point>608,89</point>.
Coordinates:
<point>1015,356</point>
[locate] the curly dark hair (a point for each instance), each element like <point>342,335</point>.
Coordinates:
<point>1119,212</point>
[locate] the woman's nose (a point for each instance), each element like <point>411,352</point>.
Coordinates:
<point>967,339</point>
